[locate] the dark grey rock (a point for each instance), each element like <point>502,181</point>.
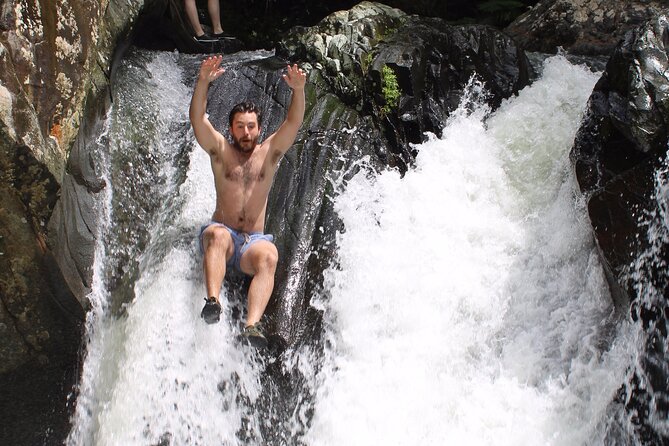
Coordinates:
<point>622,141</point>
<point>625,124</point>
<point>618,152</point>
<point>592,27</point>
<point>434,62</point>
<point>431,61</point>
<point>339,46</point>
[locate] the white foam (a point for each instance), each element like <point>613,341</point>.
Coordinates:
<point>157,373</point>
<point>467,299</point>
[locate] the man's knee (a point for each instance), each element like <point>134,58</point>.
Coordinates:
<point>216,237</point>
<point>267,258</point>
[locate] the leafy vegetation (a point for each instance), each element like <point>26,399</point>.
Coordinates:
<point>390,89</point>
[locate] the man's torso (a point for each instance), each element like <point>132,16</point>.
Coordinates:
<point>242,186</point>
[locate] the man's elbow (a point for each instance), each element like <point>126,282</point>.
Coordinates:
<point>197,119</point>
<point>192,113</point>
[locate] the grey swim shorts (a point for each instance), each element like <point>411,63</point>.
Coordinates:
<point>242,241</point>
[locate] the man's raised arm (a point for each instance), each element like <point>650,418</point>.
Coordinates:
<point>205,133</point>
<point>284,137</point>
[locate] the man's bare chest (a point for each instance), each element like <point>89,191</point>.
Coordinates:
<point>245,174</point>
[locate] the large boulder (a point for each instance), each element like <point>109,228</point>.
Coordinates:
<point>433,64</point>
<point>618,155</point>
<point>585,27</point>
<point>340,46</point>
<point>622,142</point>
<point>408,72</point>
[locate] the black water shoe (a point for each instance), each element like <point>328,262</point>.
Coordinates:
<point>253,335</point>
<point>211,312</point>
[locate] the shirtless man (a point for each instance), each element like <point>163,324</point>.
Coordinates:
<point>243,172</point>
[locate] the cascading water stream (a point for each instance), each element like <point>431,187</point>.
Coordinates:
<point>466,304</point>
<point>647,393</point>
<point>154,373</point>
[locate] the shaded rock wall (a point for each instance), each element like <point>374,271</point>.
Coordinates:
<point>55,59</point>
<point>622,141</point>
<point>262,23</point>
<point>55,62</point>
<point>618,151</point>
<point>433,63</point>
<point>585,27</point>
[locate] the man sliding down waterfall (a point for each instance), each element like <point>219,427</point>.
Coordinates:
<point>243,173</point>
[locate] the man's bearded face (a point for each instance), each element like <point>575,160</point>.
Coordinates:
<point>245,132</point>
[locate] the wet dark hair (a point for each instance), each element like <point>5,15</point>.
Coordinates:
<point>245,107</point>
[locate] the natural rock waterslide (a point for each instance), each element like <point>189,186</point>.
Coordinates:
<point>50,205</point>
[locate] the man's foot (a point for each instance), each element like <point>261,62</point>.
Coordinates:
<point>254,336</point>
<point>211,312</point>
<point>221,35</point>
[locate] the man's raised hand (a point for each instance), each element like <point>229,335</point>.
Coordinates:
<point>211,69</point>
<point>295,77</point>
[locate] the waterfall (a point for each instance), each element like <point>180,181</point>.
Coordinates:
<point>154,373</point>
<point>646,401</point>
<point>466,303</point>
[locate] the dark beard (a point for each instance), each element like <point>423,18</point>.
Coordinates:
<point>236,143</point>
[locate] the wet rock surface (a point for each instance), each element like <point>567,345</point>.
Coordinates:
<point>618,155</point>
<point>623,139</point>
<point>585,27</point>
<point>407,71</point>
<point>55,63</point>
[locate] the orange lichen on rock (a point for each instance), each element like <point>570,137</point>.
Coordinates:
<point>57,133</point>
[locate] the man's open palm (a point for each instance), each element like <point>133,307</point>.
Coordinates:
<point>295,77</point>
<point>211,69</point>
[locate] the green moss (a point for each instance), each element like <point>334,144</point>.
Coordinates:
<point>390,89</point>
<point>385,31</point>
<point>366,62</point>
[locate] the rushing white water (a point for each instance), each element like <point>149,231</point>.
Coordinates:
<point>649,276</point>
<point>467,305</point>
<point>158,374</point>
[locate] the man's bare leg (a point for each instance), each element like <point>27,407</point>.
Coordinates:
<point>259,261</point>
<point>217,250</point>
